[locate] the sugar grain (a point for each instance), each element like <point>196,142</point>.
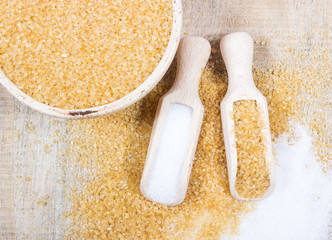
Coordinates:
<point>76,54</point>
<point>164,177</point>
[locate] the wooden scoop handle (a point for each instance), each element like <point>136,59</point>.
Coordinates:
<point>192,56</point>
<point>237,51</point>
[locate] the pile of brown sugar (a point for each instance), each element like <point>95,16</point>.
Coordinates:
<point>76,54</point>
<point>107,202</point>
<point>253,174</point>
<point>107,156</point>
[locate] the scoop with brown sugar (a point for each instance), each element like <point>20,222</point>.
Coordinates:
<point>253,175</point>
<point>245,123</point>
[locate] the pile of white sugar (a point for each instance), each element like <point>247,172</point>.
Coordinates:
<point>164,178</point>
<point>300,208</point>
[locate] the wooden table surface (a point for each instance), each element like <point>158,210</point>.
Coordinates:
<point>29,172</point>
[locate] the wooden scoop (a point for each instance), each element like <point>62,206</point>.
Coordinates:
<point>237,52</point>
<point>176,128</point>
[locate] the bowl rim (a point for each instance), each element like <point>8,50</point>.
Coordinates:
<point>129,99</point>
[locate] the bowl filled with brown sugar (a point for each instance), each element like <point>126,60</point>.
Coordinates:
<point>83,58</point>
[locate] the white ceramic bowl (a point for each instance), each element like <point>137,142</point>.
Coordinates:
<point>123,102</point>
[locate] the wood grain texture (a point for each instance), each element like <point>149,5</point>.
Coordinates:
<point>7,219</point>
<point>38,189</point>
<point>289,25</point>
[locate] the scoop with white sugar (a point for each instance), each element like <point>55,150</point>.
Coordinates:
<point>176,128</point>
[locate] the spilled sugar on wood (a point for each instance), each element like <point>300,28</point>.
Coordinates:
<point>110,153</point>
<point>111,204</point>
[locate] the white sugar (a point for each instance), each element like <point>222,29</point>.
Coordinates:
<point>163,182</point>
<point>300,208</point>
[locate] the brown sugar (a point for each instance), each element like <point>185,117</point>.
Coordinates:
<point>106,158</point>
<point>107,202</point>
<point>253,174</point>
<point>42,203</point>
<point>78,54</point>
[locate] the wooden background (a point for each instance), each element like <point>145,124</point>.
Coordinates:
<point>30,172</point>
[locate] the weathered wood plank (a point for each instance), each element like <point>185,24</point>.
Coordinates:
<point>7,219</point>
